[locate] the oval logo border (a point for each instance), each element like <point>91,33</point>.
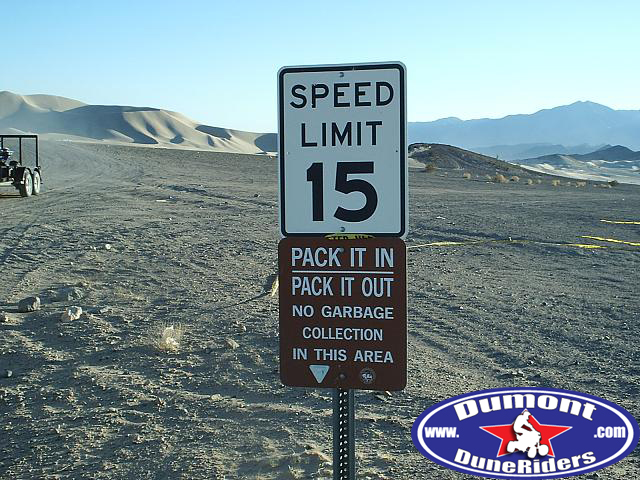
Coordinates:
<point>628,419</point>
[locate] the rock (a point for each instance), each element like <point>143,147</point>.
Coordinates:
<point>7,374</point>
<point>4,317</point>
<point>231,343</point>
<point>68,294</point>
<point>71,313</point>
<point>107,246</point>
<point>29,304</point>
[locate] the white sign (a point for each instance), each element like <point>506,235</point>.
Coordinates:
<point>342,147</point>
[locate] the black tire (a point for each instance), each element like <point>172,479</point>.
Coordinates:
<point>37,182</point>
<point>26,187</point>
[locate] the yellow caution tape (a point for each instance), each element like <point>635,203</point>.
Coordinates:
<point>442,244</point>
<point>612,240</point>
<point>622,222</point>
<point>588,246</point>
<point>582,245</point>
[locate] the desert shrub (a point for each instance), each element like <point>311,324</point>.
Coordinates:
<point>466,175</point>
<point>538,181</point>
<point>430,167</point>
<point>581,184</point>
<point>569,184</point>
<point>488,177</point>
<point>499,178</point>
<point>555,183</point>
<point>166,338</point>
<point>613,183</point>
<point>514,178</point>
<point>529,181</point>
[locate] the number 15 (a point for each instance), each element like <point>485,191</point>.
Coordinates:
<point>346,186</point>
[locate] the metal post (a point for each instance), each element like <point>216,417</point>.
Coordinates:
<point>344,441</point>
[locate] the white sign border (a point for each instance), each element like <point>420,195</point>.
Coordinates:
<point>404,180</point>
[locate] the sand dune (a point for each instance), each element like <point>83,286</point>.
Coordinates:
<point>63,118</point>
<point>613,163</point>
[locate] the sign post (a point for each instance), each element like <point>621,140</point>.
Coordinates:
<point>343,173</point>
<point>344,435</point>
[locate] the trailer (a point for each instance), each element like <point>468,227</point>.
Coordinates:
<point>20,169</point>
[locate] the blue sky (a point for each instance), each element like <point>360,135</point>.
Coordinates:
<point>216,61</point>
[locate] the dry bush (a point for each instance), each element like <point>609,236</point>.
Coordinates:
<point>430,167</point>
<point>569,184</point>
<point>488,177</point>
<point>515,178</point>
<point>555,183</point>
<point>166,338</point>
<point>466,175</point>
<point>538,181</point>
<point>499,178</point>
<point>529,181</point>
<point>581,184</point>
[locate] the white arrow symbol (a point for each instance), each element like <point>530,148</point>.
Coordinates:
<point>319,371</point>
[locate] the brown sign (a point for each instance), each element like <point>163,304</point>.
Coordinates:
<point>343,313</point>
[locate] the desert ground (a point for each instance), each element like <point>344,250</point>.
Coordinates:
<point>146,238</point>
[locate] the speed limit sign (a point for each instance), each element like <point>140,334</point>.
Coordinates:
<point>342,149</point>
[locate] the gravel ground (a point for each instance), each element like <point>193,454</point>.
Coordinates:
<point>192,244</point>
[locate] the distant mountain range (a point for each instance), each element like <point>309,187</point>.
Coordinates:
<point>577,128</point>
<point>63,118</point>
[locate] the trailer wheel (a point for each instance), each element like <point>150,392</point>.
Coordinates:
<point>26,188</point>
<point>36,183</point>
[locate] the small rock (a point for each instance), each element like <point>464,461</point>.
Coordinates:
<point>8,374</point>
<point>29,304</point>
<point>256,195</point>
<point>104,310</point>
<point>107,246</point>
<point>209,349</point>
<point>231,343</point>
<point>71,313</point>
<point>68,294</point>
<point>4,317</point>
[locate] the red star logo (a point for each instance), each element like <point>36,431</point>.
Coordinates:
<point>506,434</point>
